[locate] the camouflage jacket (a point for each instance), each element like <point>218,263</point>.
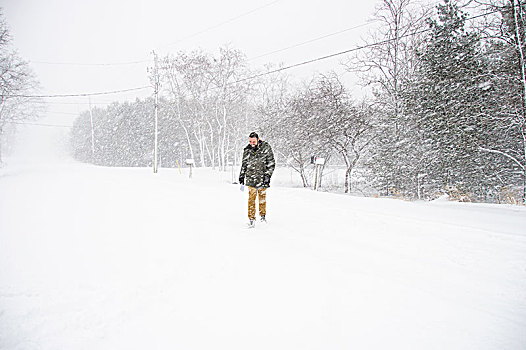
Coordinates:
<point>257,162</point>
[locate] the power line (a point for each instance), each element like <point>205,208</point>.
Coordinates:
<point>81,94</point>
<point>69,103</point>
<point>266,73</point>
<point>39,124</point>
<point>311,41</point>
<point>110,64</point>
<point>358,48</point>
<point>222,23</point>
<point>90,64</point>
<point>324,57</point>
<point>63,113</point>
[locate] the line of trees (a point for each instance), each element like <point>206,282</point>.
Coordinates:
<point>445,113</point>
<point>204,114</point>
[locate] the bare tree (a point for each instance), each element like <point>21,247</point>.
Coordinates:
<point>321,120</point>
<point>387,67</point>
<point>208,97</point>
<point>177,95</point>
<point>391,57</point>
<point>342,125</point>
<point>231,99</point>
<point>16,82</point>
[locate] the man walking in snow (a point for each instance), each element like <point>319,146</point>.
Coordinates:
<point>256,170</point>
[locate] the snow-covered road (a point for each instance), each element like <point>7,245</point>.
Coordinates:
<point>112,258</point>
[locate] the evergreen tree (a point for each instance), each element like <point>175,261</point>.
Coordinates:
<point>447,99</point>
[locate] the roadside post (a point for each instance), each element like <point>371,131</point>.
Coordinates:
<point>190,162</point>
<point>319,162</point>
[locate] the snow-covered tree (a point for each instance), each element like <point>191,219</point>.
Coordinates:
<point>387,66</point>
<point>16,82</point>
<point>209,99</point>
<point>338,123</point>
<point>448,100</point>
<point>506,144</point>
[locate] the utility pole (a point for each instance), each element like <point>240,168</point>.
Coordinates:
<point>156,92</point>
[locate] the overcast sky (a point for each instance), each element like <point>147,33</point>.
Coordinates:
<point>61,37</point>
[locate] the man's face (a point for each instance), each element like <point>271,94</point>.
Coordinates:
<point>253,141</point>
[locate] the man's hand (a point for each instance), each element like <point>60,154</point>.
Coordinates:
<point>266,180</point>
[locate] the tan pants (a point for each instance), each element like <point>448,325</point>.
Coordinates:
<point>262,194</point>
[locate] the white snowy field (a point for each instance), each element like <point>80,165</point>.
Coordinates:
<point>121,258</point>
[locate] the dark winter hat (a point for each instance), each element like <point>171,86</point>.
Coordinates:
<point>253,134</point>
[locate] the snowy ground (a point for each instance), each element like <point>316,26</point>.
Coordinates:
<point>113,258</point>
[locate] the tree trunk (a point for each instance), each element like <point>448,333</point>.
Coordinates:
<point>303,177</point>
<point>211,155</point>
<point>348,169</point>
<point>524,163</point>
<point>176,93</point>
<point>224,140</point>
<point>187,139</point>
<point>347,180</point>
<point>201,142</point>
